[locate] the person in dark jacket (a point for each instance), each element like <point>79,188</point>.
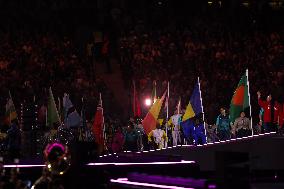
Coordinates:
<point>223,125</point>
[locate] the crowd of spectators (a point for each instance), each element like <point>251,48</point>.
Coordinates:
<point>212,51</point>
<point>33,62</point>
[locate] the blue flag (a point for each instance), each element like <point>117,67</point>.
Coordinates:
<point>71,116</point>
<point>195,100</point>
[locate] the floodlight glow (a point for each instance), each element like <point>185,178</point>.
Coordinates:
<point>148,102</point>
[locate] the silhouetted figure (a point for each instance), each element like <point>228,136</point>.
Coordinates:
<point>14,140</point>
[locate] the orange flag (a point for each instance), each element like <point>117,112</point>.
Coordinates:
<point>150,120</point>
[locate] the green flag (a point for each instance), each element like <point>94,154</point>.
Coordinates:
<point>240,101</point>
<point>52,113</point>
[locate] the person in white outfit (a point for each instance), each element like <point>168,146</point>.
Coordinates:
<point>176,119</point>
<point>157,137</point>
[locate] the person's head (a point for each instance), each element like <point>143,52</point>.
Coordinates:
<point>269,98</point>
<point>130,127</point>
<point>176,112</point>
<point>14,122</point>
<point>242,114</point>
<point>197,121</point>
<point>222,111</point>
<point>158,126</point>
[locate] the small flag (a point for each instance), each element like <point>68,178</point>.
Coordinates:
<point>52,113</point>
<point>240,100</point>
<point>98,126</point>
<point>71,116</point>
<point>11,113</point>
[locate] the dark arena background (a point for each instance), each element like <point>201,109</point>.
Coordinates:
<point>117,94</point>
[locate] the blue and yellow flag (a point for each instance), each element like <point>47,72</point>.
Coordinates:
<point>193,109</point>
<point>194,106</point>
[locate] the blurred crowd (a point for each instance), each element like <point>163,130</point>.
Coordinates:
<point>219,55</point>
<point>212,51</point>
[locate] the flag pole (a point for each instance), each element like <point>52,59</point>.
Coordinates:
<point>249,103</point>
<point>10,99</point>
<point>203,115</point>
<point>134,98</point>
<point>104,136</point>
<point>168,97</point>
<point>59,108</point>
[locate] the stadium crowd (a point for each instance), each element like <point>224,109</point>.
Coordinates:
<point>213,51</point>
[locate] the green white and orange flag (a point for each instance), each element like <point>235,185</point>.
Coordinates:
<point>11,113</point>
<point>241,99</point>
<point>52,113</point>
<point>150,120</point>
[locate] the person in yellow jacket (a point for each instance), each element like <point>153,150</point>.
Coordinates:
<point>157,137</point>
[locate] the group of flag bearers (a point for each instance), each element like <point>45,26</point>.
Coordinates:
<point>184,127</point>
<point>189,127</point>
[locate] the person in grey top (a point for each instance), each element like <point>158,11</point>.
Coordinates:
<point>242,126</point>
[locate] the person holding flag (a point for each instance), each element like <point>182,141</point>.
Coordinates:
<point>241,127</point>
<point>157,137</point>
<point>239,108</point>
<point>199,132</point>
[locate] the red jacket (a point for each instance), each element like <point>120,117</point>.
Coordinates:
<point>281,116</point>
<point>267,111</point>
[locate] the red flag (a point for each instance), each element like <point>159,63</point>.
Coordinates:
<point>136,103</point>
<point>98,126</point>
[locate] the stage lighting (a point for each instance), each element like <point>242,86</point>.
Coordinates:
<point>148,102</point>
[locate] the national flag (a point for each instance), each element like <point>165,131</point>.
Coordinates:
<point>98,126</point>
<point>194,106</point>
<point>71,116</point>
<point>11,113</point>
<point>150,120</point>
<point>240,100</point>
<point>136,102</point>
<point>193,109</point>
<point>52,113</point>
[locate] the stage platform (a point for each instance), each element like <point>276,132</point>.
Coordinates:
<point>247,159</point>
<point>261,152</point>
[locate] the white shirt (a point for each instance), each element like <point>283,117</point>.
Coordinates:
<point>176,120</point>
